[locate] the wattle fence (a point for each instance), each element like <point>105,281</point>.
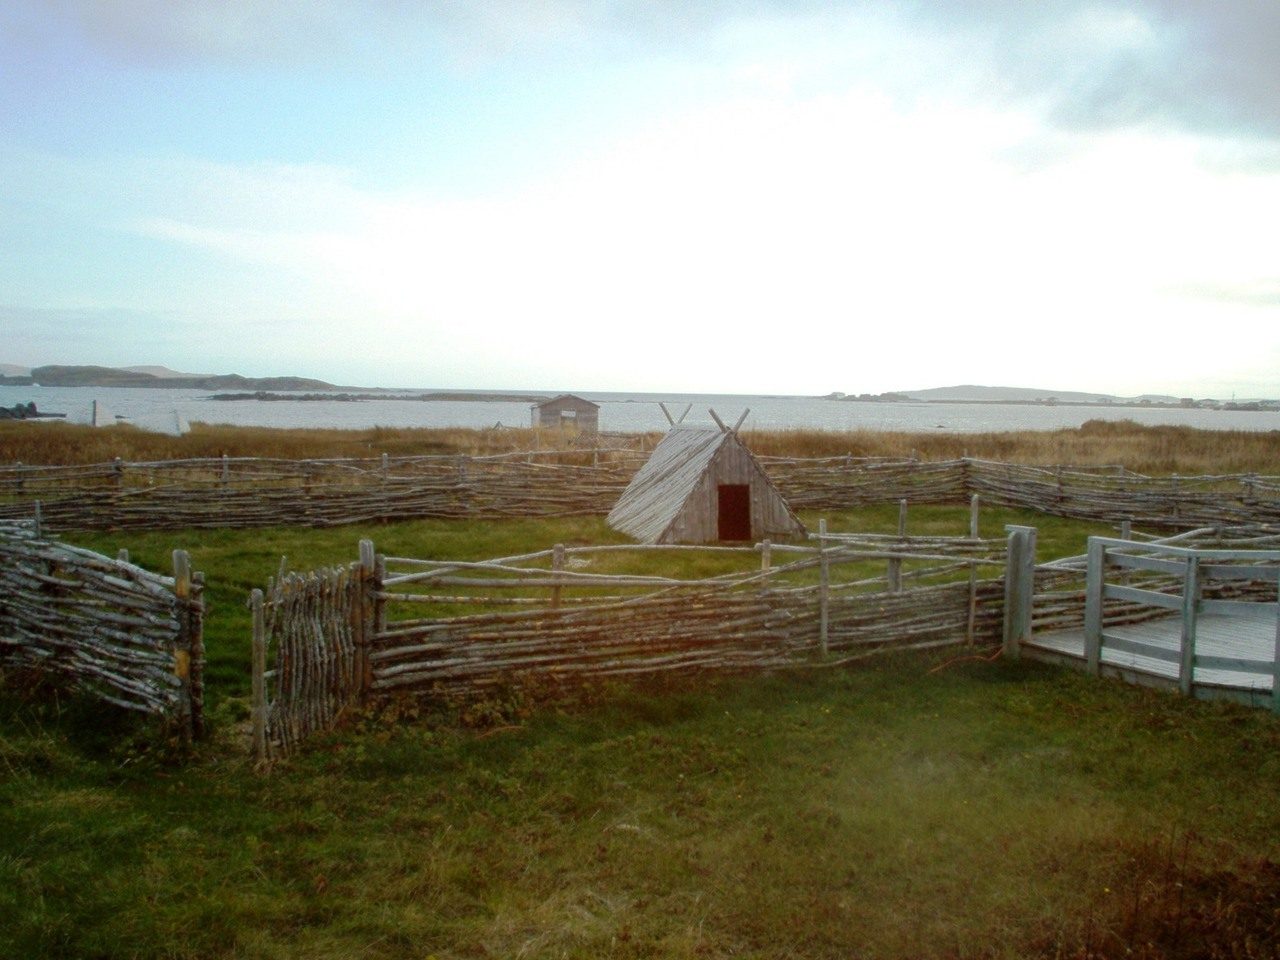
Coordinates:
<point>330,640</point>
<point>113,630</point>
<point>249,492</point>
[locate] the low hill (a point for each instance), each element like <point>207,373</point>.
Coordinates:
<point>972,393</point>
<point>90,376</point>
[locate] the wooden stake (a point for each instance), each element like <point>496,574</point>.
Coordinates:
<point>824,588</point>
<point>557,564</point>
<point>259,690</point>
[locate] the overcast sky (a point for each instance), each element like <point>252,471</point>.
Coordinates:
<point>733,196</point>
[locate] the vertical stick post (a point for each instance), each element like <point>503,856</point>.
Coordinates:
<point>972,618</point>
<point>182,651</point>
<point>259,694</point>
<point>894,573</point>
<point>557,564</point>
<point>370,585</point>
<point>824,587</point>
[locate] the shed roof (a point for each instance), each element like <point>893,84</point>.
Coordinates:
<point>567,399</point>
<point>660,487</point>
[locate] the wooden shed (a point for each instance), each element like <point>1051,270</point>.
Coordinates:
<point>700,485</point>
<point>567,412</point>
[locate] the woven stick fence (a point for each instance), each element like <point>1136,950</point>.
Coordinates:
<point>310,657</point>
<point>246,492</point>
<point>434,627</point>
<point>114,630</point>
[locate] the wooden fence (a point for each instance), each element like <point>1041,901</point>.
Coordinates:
<point>1057,591</point>
<point>114,630</point>
<point>1197,612</point>
<point>313,629</point>
<point>249,492</point>
<point>405,625</point>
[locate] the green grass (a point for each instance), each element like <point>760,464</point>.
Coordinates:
<point>982,809</point>
<point>918,806</point>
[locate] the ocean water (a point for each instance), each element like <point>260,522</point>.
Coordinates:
<point>624,412</point>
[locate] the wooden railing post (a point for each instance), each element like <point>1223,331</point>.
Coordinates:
<point>259,689</point>
<point>1275,673</point>
<point>1095,581</point>
<point>1019,587</point>
<point>1190,608</point>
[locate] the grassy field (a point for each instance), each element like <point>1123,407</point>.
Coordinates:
<point>911,808</point>
<point>1153,450</point>
<point>917,806</point>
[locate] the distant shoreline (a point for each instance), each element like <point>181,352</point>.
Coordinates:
<point>358,397</point>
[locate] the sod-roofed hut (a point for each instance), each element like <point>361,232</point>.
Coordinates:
<point>700,485</point>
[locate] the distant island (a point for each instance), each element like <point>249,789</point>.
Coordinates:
<point>232,385</point>
<point>390,395</point>
<point>89,376</point>
<point>972,393</point>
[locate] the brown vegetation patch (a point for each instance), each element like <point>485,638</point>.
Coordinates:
<point>1165,906</point>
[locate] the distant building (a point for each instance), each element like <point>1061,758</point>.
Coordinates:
<point>700,485</point>
<point>569,413</point>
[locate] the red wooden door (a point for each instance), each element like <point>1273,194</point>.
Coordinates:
<point>735,511</point>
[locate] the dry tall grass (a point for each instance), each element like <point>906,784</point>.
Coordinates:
<point>1153,450</point>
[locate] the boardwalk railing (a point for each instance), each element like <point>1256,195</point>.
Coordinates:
<point>1193,570</point>
<point>444,627</point>
<point>247,492</point>
<point>114,630</point>
<point>1199,611</point>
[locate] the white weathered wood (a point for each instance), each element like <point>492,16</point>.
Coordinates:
<point>1190,611</point>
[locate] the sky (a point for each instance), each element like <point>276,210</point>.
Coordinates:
<point>734,196</point>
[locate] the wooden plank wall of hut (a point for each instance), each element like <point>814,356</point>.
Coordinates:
<point>241,492</point>
<point>118,632</point>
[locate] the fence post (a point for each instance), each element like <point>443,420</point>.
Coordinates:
<point>894,573</point>
<point>1275,673</point>
<point>1019,587</point>
<point>557,565</point>
<point>370,586</point>
<point>37,521</point>
<point>1095,583</point>
<point>972,619</point>
<point>195,617</point>
<point>259,694</point>
<point>1190,607</point>
<point>824,587</point>
<point>182,654</point>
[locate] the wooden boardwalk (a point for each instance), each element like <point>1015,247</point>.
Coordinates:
<point>1149,653</point>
